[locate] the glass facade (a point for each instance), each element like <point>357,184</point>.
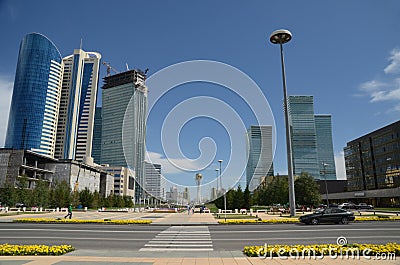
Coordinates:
<point>373,160</point>
<point>303,133</point>
<point>124,98</point>
<point>259,150</point>
<point>96,144</point>
<point>35,101</point>
<point>323,127</point>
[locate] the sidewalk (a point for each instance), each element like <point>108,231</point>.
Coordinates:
<point>217,258</point>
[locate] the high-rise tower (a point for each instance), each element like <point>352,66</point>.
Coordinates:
<point>323,127</point>
<point>77,105</point>
<point>311,139</point>
<point>260,155</point>
<point>33,117</point>
<point>125,97</point>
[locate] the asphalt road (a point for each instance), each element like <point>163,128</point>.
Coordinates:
<point>224,237</point>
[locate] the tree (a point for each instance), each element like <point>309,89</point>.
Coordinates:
<point>40,194</point>
<point>8,194</point>
<point>86,197</point>
<point>306,190</point>
<point>96,202</point>
<point>62,194</point>
<point>238,199</point>
<point>247,202</point>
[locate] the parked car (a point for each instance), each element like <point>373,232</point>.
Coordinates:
<point>19,205</point>
<point>362,206</point>
<point>328,215</point>
<point>347,205</point>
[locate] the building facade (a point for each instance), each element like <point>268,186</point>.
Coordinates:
<point>260,155</point>
<point>77,105</point>
<point>33,118</point>
<point>326,158</point>
<point>303,133</point>
<point>373,160</point>
<point>96,143</point>
<point>123,180</point>
<point>124,111</point>
<point>155,183</point>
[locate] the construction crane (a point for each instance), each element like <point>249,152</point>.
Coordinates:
<point>109,68</point>
<point>76,186</point>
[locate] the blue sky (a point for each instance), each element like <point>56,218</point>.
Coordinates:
<point>344,53</point>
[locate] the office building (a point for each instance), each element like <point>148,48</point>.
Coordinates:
<point>323,128</point>
<point>260,155</point>
<point>303,133</point>
<point>373,160</point>
<point>123,180</point>
<point>155,183</point>
<point>96,143</point>
<point>32,122</point>
<point>124,111</point>
<point>77,105</point>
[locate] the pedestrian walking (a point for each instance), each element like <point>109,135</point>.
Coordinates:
<point>69,212</point>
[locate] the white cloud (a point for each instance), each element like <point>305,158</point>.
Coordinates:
<point>394,66</point>
<point>388,90</point>
<point>6,86</point>
<point>168,164</point>
<point>340,166</point>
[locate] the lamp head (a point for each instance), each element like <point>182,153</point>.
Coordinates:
<point>280,36</point>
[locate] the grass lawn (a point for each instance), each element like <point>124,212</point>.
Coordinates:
<point>388,209</point>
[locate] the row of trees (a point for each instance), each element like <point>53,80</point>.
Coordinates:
<point>276,191</point>
<point>60,195</point>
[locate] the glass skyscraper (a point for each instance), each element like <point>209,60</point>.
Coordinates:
<point>33,117</point>
<point>260,155</point>
<point>96,144</point>
<point>323,127</point>
<point>311,139</point>
<point>125,97</point>
<point>77,105</point>
<point>304,138</point>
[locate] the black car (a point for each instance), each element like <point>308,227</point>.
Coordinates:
<point>364,206</point>
<point>328,215</point>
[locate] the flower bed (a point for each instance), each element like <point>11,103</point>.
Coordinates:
<point>377,218</point>
<point>77,221</point>
<point>268,221</point>
<point>320,250</point>
<point>34,250</point>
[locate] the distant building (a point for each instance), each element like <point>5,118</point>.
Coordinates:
<point>312,144</point>
<point>323,127</point>
<point>119,91</point>
<point>172,195</point>
<point>123,180</point>
<point>96,143</point>
<point>32,122</point>
<point>77,105</point>
<point>155,183</point>
<point>260,155</point>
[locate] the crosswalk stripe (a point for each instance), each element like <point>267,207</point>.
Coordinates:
<point>181,238</point>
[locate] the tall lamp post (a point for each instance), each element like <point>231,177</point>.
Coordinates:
<point>220,170</point>
<point>217,179</point>
<point>281,37</point>
<point>326,183</point>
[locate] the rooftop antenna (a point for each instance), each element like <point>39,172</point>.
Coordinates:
<point>127,66</point>
<point>80,47</point>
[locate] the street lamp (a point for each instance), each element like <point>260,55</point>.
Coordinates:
<point>217,178</point>
<point>280,37</point>
<point>326,183</point>
<point>220,170</point>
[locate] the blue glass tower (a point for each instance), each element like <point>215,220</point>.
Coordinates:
<point>35,101</point>
<point>323,127</point>
<point>304,137</point>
